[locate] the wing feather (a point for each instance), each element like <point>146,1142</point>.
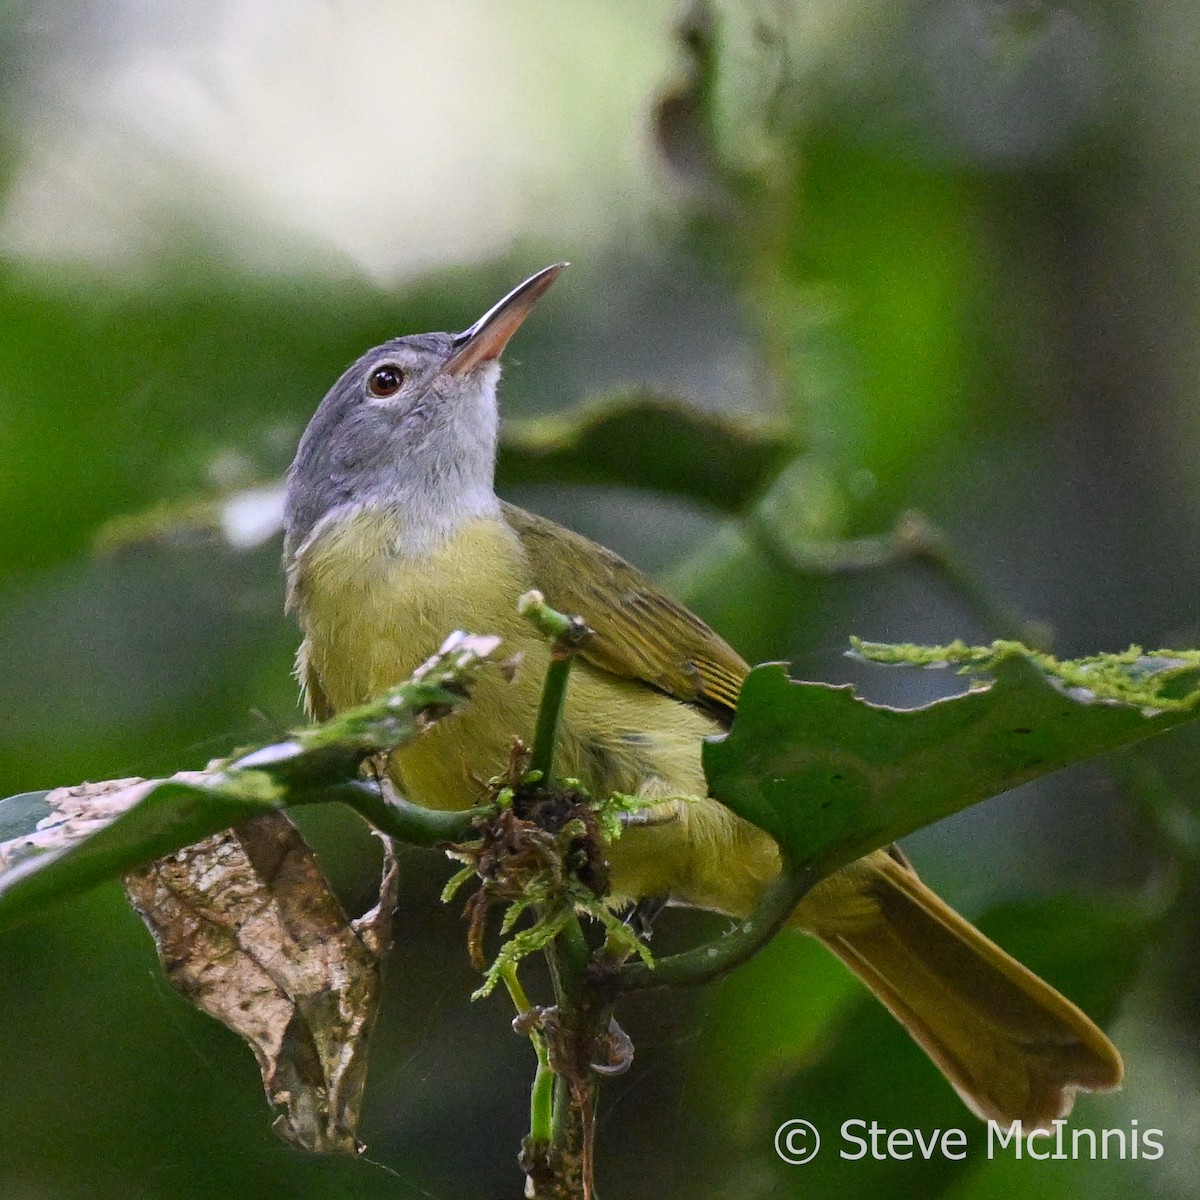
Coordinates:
<point>316,704</point>
<point>640,632</point>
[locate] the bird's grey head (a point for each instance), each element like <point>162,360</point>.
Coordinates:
<point>410,426</point>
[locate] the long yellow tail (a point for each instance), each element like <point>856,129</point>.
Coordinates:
<point>1013,1047</point>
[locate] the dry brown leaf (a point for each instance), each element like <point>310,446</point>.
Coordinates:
<point>250,932</point>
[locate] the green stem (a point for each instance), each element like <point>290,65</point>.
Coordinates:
<point>541,1095</point>
<point>571,953</point>
<point>742,942</point>
<point>545,737</point>
<point>560,1134</point>
<point>568,958</point>
<point>568,955</point>
<point>813,557</point>
<point>570,963</point>
<point>397,817</point>
<point>566,635</point>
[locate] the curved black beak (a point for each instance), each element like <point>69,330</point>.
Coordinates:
<point>486,339</point>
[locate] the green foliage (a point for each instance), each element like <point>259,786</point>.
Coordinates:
<point>100,831</point>
<point>1001,338</point>
<point>642,439</point>
<point>832,777</point>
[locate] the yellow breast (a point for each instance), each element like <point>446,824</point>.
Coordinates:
<point>371,616</point>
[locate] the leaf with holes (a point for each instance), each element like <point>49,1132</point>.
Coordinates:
<point>832,777</point>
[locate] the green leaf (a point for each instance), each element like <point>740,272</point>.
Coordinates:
<point>639,439</point>
<point>19,815</point>
<point>153,818</point>
<point>832,777</point>
<point>646,440</point>
<point>106,829</point>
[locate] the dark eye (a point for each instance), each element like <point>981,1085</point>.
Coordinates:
<point>385,381</point>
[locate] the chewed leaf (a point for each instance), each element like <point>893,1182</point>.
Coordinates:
<point>831,776</point>
<point>250,932</point>
<point>1155,681</point>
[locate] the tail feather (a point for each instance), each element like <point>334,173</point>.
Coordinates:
<point>1012,1047</point>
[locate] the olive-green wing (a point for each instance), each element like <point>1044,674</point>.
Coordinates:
<point>640,633</point>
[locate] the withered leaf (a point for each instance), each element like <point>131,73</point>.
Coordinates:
<point>250,932</point>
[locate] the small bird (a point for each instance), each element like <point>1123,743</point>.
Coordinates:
<point>395,536</point>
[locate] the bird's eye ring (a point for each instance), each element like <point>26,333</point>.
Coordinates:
<point>385,381</point>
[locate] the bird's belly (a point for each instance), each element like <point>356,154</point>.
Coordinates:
<point>370,618</point>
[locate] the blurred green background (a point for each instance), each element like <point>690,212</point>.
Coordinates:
<point>950,246</point>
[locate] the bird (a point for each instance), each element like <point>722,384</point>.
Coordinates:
<point>395,536</point>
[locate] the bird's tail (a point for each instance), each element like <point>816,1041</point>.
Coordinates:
<point>1012,1047</point>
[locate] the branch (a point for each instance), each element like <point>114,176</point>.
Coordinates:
<point>381,806</point>
<point>327,754</point>
<point>742,942</point>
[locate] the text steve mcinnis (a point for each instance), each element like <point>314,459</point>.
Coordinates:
<point>868,1139</point>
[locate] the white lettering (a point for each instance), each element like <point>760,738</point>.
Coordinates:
<point>869,1139</point>
<point>1077,1135</point>
<point>927,1147</point>
<point>1031,1149</point>
<point>958,1138</point>
<point>847,1136</point>
<point>1105,1134</point>
<point>996,1134</point>
<point>1152,1143</point>
<point>1059,1126</point>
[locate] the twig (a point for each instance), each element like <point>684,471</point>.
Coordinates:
<point>563,1163</point>
<point>541,1095</point>
<point>327,755</point>
<point>709,962</point>
<point>397,817</point>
